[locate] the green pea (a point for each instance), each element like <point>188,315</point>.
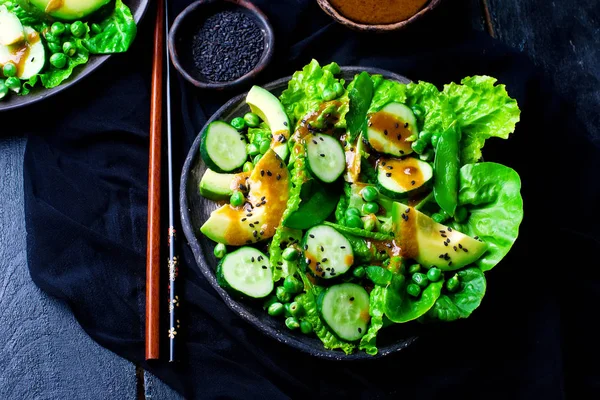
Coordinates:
<point>237,199</point>
<point>67,27</point>
<point>370,193</point>
<point>9,69</point>
<point>329,94</point>
<point>257,158</point>
<point>265,145</point>
<point>354,221</point>
<point>453,283</point>
<point>296,309</point>
<point>78,29</point>
<point>292,323</point>
<point>439,218</point>
<point>54,48</point>
<point>286,310</point>
<point>461,214</point>
<point>292,285</point>
<point>419,146</point>
<point>69,48</point>
<point>369,224</point>
<point>3,91</point>
<point>252,120</point>
<point>413,290</point>
<point>238,123</point>
<point>290,254</point>
<point>258,137</point>
<point>420,279</point>
<point>419,111</point>
<point>283,295</point>
<point>359,272</point>
<point>248,166</point>
<point>370,208</point>
<point>57,28</point>
<point>306,327</point>
<point>252,149</point>
<point>96,28</point>
<point>13,83</point>
<point>414,268</point>
<point>435,138</point>
<point>434,274</point>
<point>352,211</point>
<point>276,309</point>
<point>334,68</point>
<point>425,136</point>
<point>270,300</point>
<point>58,60</point>
<point>339,89</point>
<point>220,250</point>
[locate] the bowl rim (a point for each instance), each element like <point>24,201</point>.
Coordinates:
<point>330,10</point>
<point>207,272</point>
<point>264,60</point>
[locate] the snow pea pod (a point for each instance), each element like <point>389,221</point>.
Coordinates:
<point>446,168</point>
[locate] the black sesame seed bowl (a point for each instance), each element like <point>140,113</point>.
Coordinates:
<point>220,44</point>
<point>195,210</point>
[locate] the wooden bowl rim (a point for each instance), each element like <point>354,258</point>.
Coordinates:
<point>332,12</point>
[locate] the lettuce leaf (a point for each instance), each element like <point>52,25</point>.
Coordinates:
<point>117,34</point>
<point>305,90</point>
<point>386,91</point>
<point>439,114</point>
<point>401,307</point>
<point>27,18</point>
<point>376,308</point>
<point>491,194</point>
<point>308,301</point>
<point>483,111</point>
<point>460,304</point>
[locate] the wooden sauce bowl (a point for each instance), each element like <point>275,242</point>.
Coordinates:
<point>377,28</point>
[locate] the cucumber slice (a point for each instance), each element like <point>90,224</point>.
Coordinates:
<point>223,148</point>
<point>326,158</point>
<point>327,253</point>
<point>397,178</point>
<point>345,309</point>
<point>28,55</point>
<point>247,271</point>
<point>390,128</point>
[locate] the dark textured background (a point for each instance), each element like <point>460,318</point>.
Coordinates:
<point>559,38</point>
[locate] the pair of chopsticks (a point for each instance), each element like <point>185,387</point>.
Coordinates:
<point>160,55</point>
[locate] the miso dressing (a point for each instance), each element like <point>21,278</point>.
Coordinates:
<point>378,11</point>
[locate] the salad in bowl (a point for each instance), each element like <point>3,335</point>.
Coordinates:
<point>347,207</point>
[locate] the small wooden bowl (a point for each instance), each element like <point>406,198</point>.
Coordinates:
<point>333,13</point>
<point>183,30</point>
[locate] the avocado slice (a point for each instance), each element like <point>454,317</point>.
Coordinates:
<point>432,244</point>
<point>257,219</point>
<point>268,107</point>
<point>216,186</point>
<point>68,10</point>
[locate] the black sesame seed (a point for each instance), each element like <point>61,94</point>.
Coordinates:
<point>351,298</point>
<point>255,234</point>
<point>243,219</point>
<point>383,163</point>
<point>385,132</point>
<point>399,137</point>
<point>311,236</point>
<point>314,141</point>
<point>401,151</point>
<point>444,235</point>
<point>278,177</point>
<point>465,250</point>
<point>321,139</point>
<point>264,267</point>
<point>280,262</point>
<point>260,258</point>
<point>308,260</point>
<point>262,172</point>
<point>450,263</point>
<point>328,269</point>
<point>285,123</point>
<point>455,249</point>
<point>359,330</point>
<point>442,231</point>
<point>397,125</point>
<point>241,186</point>
<point>388,174</point>
<point>322,155</point>
<point>262,233</point>
<point>305,247</point>
<point>322,249</point>
<point>269,173</point>
<point>441,256</point>
<point>251,225</point>
<point>476,238</point>
<point>445,244</point>
<point>342,247</point>
<point>278,267</point>
<point>449,229</point>
<point>406,124</point>
<point>460,246</point>
<point>412,182</point>
<point>407,210</point>
<point>390,167</point>
<point>252,259</point>
<point>324,260</point>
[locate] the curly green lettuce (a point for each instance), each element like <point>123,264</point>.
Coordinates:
<point>483,110</point>
<point>376,310</point>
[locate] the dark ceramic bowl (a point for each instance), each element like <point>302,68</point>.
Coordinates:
<point>138,9</point>
<point>185,27</point>
<point>338,17</point>
<point>195,210</point>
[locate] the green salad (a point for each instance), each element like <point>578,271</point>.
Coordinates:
<point>347,207</point>
<point>43,41</point>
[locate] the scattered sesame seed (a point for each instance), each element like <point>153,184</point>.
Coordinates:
<point>460,246</point>
<point>388,174</point>
<point>449,229</point>
<point>305,247</point>
<point>241,186</point>
<point>264,267</point>
<point>351,298</point>
<point>399,137</point>
<point>390,167</point>
<point>465,250</point>
<point>455,249</point>
<point>445,244</point>
<point>255,233</point>
<point>324,260</point>
<point>262,172</point>
<point>413,183</point>
<point>251,225</point>
<point>243,219</point>
<point>397,125</point>
<point>278,177</point>
<point>383,163</point>
<point>406,124</point>
<point>321,139</point>
<point>322,155</point>
<point>252,259</point>
<point>359,330</point>
<point>314,141</point>
<point>401,151</point>
<point>407,210</point>
<point>450,263</point>
<point>444,235</point>
<point>260,258</point>
<point>322,249</point>
<point>311,236</point>
<point>385,132</point>
<point>285,123</point>
<point>441,256</point>
<point>308,260</point>
<point>476,238</point>
<point>269,173</point>
<point>342,247</point>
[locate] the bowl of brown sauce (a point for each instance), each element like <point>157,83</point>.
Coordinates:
<point>377,15</point>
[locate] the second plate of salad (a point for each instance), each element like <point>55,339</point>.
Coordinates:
<point>341,210</point>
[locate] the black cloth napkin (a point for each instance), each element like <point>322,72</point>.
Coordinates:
<point>85,202</point>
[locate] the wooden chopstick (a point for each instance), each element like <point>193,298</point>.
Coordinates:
<point>154,174</point>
